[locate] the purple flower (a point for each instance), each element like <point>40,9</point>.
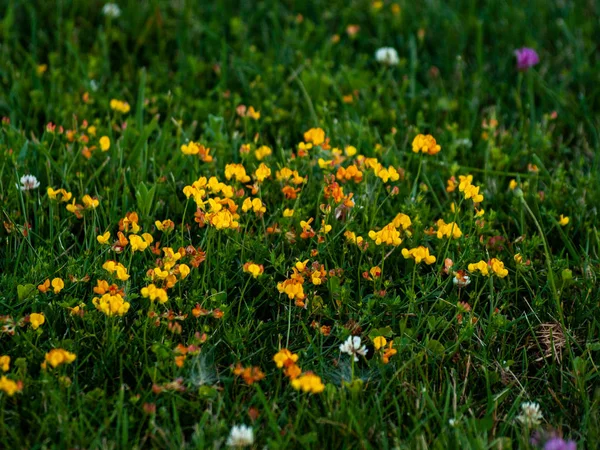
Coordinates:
<point>557,443</point>
<point>526,58</point>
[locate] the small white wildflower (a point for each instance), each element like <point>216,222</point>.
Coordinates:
<point>111,10</point>
<point>94,85</point>
<point>530,414</point>
<point>240,436</point>
<point>28,182</point>
<point>461,280</point>
<point>387,55</point>
<point>353,347</point>
<point>453,422</point>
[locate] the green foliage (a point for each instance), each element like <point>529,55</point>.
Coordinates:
<point>162,374</point>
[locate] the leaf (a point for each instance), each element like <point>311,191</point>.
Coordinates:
<point>24,291</point>
<point>435,347</point>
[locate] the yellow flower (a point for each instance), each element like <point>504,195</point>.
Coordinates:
<point>58,284</point>
<point>43,288</point>
<point>308,382</point>
<point>387,174</point>
<point>350,151</point>
<point>40,69</point>
<point>262,173</point>
<point>165,226</point>
<point>563,220</point>
<point>89,202</point>
<point>425,144</point>
<point>238,172</point>
<point>284,358</point>
<point>254,269</point>
<point>122,273</point>
<point>315,135</point>
<point>104,143</point>
<point>255,204</point>
<point>184,271</point>
<point>472,192</point>
<point>480,266</point>
<point>498,267</point>
<point>103,238</point>
<point>419,254</point>
<point>288,212</point>
<point>120,106</point>
<point>252,113</point>
<point>352,237</point>
<point>388,235</point>
<point>58,356</point>
<point>111,304</point>
<point>5,363</point>
<point>518,258</point>
<point>512,185</point>
<point>402,220</point>
<point>137,243</point>
<point>154,293</point>
<point>262,152</point>
<point>449,230</point>
<point>379,342</point>
<point>9,386</point>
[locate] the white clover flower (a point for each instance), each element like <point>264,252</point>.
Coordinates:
<point>387,55</point>
<point>530,414</point>
<point>353,348</point>
<point>111,10</point>
<point>28,182</point>
<point>461,280</point>
<point>240,436</point>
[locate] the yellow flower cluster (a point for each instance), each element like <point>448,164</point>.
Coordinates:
<point>111,305</point>
<point>254,269</point>
<point>448,230</point>
<point>120,106</point>
<point>469,190</point>
<point>315,135</point>
<point>64,195</point>
<point>117,268</point>
<point>286,174</point>
<point>388,235</point>
<point>262,173</point>
<point>5,363</point>
<point>379,343</point>
<point>237,171</point>
<point>352,237</point>
<point>425,144</point>
<point>351,172</point>
<point>402,220</point>
<point>57,357</point>
<point>262,152</point>
<point>36,320</point>
<point>293,287</point>
<point>9,386</point>
<point>307,381</point>
<point>193,148</point>
<point>255,205</point>
<point>154,293</point>
<point>496,266</point>
<point>140,243</point>
<point>419,254</point>
<point>387,174</point>
<point>164,226</point>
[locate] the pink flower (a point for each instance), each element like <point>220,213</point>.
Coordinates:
<point>526,58</point>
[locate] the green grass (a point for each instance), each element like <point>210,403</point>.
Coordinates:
<point>184,68</point>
